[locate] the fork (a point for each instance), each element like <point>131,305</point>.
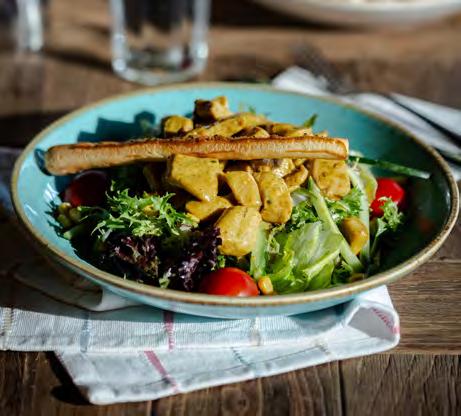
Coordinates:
<point>312,59</point>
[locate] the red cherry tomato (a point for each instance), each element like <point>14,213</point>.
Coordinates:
<point>87,188</point>
<point>229,281</point>
<point>390,189</point>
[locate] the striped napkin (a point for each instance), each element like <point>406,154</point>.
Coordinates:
<point>118,351</point>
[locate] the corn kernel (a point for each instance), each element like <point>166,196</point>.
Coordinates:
<point>150,210</point>
<point>265,286</point>
<point>356,277</point>
<point>64,221</point>
<point>64,208</point>
<point>74,215</point>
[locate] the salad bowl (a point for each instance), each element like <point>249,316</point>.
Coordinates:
<point>430,215</point>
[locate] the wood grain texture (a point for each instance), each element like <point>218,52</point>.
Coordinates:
<point>402,385</point>
<point>75,70</point>
<point>75,67</point>
<point>383,384</point>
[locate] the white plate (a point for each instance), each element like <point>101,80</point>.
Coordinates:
<point>370,14</point>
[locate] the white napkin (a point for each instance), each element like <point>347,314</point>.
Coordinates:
<point>298,79</point>
<point>136,352</point>
<point>118,351</point>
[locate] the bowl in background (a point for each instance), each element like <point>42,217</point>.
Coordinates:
<point>370,14</point>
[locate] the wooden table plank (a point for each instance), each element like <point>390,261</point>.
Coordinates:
<point>402,385</point>
<point>428,303</point>
<point>75,67</point>
<point>382,384</point>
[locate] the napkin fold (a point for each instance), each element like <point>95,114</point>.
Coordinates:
<point>301,80</point>
<point>117,351</point>
<point>136,352</point>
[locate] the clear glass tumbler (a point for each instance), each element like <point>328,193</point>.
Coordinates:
<point>159,41</point>
<point>21,24</point>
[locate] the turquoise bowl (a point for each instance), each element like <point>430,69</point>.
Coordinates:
<point>431,214</point>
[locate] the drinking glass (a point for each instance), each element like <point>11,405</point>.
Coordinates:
<point>159,41</point>
<point>21,24</point>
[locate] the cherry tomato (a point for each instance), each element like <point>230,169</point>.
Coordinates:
<point>390,189</point>
<point>229,281</point>
<point>87,188</point>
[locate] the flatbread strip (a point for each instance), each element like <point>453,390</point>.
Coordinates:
<point>73,158</point>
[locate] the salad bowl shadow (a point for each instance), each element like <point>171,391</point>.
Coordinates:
<point>431,213</point>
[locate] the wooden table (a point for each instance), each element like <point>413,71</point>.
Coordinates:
<point>422,375</point>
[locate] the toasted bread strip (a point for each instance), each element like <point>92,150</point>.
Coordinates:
<point>73,158</point>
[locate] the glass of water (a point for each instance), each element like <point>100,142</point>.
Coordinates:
<point>159,41</point>
<point>21,24</point>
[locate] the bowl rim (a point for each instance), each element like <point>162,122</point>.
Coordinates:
<point>385,6</point>
<point>105,278</point>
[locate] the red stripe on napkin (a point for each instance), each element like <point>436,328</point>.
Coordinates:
<point>157,364</point>
<point>168,323</point>
<point>395,329</point>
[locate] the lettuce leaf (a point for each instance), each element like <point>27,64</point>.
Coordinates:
<point>321,208</point>
<point>258,258</point>
<point>389,222</point>
<point>349,206</point>
<point>303,256</point>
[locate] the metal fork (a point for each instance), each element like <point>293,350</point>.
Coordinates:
<point>313,60</point>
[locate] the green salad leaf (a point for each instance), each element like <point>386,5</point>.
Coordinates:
<point>323,279</point>
<point>391,218</point>
<point>302,214</point>
<point>150,215</point>
<point>349,206</point>
<point>358,180</point>
<point>323,212</point>
<point>300,258</point>
<point>310,122</point>
<point>389,221</point>
<point>341,274</point>
<point>258,259</point>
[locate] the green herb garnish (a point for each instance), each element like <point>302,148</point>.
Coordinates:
<point>310,121</point>
<point>349,206</point>
<point>390,221</point>
<point>392,167</point>
<point>151,215</point>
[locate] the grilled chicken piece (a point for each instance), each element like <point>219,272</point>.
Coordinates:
<point>331,177</point>
<point>280,129</point>
<point>254,132</point>
<point>299,132</point>
<point>211,110</point>
<point>198,176</point>
<point>356,233</point>
<point>176,126</point>
<point>299,162</point>
<point>228,126</point>
<point>283,167</point>
<point>238,227</point>
<point>206,210</point>
<point>295,179</point>
<point>244,188</point>
<point>280,167</point>
<point>277,202</point>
